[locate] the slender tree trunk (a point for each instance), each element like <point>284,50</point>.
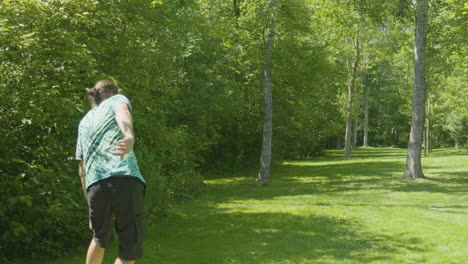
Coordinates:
<point>428,127</point>
<point>366,117</point>
<point>354,132</point>
<point>235,5</point>
<point>424,142</point>
<point>413,167</point>
<point>349,117</point>
<point>356,119</point>
<point>265,158</point>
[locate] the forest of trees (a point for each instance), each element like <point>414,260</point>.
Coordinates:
<point>211,82</point>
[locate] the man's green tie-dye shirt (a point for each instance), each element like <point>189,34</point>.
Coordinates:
<point>98,134</point>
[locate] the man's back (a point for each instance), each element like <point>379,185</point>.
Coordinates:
<point>98,135</point>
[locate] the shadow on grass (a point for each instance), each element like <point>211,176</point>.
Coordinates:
<point>314,179</point>
<point>221,236</point>
<point>446,152</point>
<point>451,209</point>
<point>431,187</point>
<point>459,178</point>
<point>448,182</point>
<point>369,152</point>
<point>454,209</point>
<point>309,177</point>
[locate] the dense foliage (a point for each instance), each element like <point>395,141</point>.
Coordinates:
<point>193,72</point>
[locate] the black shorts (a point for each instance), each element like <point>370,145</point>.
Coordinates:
<point>122,197</point>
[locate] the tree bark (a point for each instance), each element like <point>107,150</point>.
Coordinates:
<point>413,167</point>
<point>424,141</point>
<point>265,158</point>
<point>235,5</point>
<point>428,127</point>
<point>366,117</point>
<point>356,119</point>
<point>349,117</point>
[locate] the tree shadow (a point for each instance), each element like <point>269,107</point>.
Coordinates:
<point>360,153</point>
<point>446,152</point>
<point>223,236</point>
<point>302,179</point>
<point>453,209</point>
<point>346,179</point>
<point>446,182</point>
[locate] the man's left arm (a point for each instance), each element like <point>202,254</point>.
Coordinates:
<point>124,120</point>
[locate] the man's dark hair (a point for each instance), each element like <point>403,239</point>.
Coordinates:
<point>102,90</point>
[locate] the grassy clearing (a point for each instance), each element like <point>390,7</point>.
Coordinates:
<point>323,211</point>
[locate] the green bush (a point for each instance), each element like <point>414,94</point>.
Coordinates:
<point>44,70</point>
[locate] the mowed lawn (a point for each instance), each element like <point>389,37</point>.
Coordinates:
<point>324,210</point>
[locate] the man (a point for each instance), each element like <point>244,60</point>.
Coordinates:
<point>111,180</point>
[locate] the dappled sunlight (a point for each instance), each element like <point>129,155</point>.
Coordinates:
<point>334,163</point>
<point>447,152</point>
<point>311,163</point>
<point>298,179</point>
<point>345,168</point>
<point>259,235</point>
<point>226,181</point>
<point>266,230</point>
<point>272,206</point>
<point>367,152</point>
<point>358,156</point>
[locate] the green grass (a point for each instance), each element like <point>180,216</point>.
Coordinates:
<point>325,210</point>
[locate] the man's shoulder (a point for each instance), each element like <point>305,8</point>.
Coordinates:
<point>120,98</point>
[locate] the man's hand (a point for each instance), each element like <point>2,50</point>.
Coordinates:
<point>124,146</point>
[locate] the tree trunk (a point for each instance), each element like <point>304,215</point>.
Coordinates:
<point>428,127</point>
<point>235,5</point>
<point>366,117</point>
<point>355,126</point>
<point>413,167</point>
<point>349,117</point>
<point>424,142</point>
<point>353,145</point>
<point>265,158</point>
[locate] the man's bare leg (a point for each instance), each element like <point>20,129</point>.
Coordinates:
<point>123,261</point>
<point>95,253</point>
